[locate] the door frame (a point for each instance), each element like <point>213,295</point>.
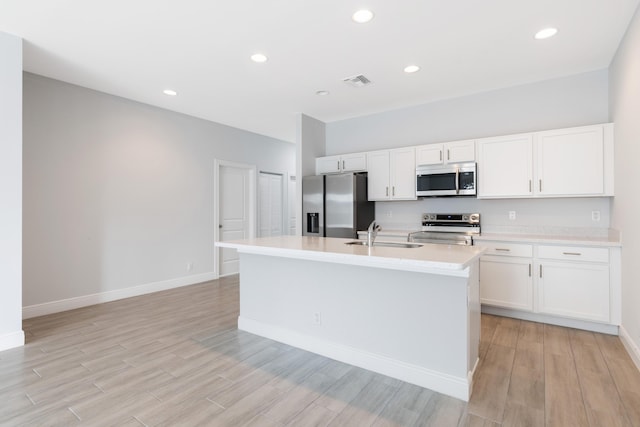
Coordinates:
<point>218,164</point>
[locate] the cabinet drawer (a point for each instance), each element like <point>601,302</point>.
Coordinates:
<point>506,249</point>
<point>574,253</point>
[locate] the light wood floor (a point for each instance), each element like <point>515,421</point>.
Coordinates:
<point>177,358</point>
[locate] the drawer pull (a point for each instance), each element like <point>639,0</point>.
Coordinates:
<point>503,250</point>
<point>529,270</point>
<point>571,253</point>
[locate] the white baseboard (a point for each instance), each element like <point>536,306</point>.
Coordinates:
<point>458,387</point>
<point>630,345</point>
<point>87,300</point>
<point>12,340</point>
<point>552,320</point>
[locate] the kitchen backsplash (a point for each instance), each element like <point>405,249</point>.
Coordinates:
<point>570,216</point>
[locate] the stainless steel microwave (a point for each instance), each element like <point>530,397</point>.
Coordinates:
<point>446,180</point>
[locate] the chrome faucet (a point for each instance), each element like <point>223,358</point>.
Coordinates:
<point>372,232</point>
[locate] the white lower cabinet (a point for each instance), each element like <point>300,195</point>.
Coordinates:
<point>506,282</point>
<point>576,290</point>
<point>506,275</point>
<point>572,282</point>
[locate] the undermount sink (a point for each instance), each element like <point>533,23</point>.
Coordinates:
<point>385,244</point>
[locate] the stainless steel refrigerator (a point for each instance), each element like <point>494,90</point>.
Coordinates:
<point>336,205</point>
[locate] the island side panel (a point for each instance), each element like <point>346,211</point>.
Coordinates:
<point>410,320</point>
<point>474,327</point>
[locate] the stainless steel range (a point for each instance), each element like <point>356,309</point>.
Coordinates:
<point>448,229</point>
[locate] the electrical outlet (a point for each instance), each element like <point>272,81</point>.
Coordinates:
<point>512,215</point>
<point>317,318</point>
<point>189,266</point>
<point>595,216</point>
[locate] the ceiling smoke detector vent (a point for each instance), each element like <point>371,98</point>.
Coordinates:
<point>357,81</point>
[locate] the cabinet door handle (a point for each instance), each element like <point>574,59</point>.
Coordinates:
<point>529,269</point>
<point>448,154</point>
<point>540,185</point>
<point>343,165</point>
<point>540,270</point>
<point>440,155</point>
<point>529,186</point>
<point>338,164</point>
<point>503,250</point>
<point>387,191</point>
<point>393,190</point>
<point>571,253</point>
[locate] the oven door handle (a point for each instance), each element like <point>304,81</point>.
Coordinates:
<point>457,180</point>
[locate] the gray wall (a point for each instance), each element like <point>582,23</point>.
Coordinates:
<point>10,191</point>
<point>625,112</point>
<point>570,101</point>
<point>119,194</point>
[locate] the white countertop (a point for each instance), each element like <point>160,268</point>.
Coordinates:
<point>612,239</point>
<point>429,258</point>
<point>588,237</point>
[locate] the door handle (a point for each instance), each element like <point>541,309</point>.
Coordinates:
<point>540,270</point>
<point>529,269</point>
<point>448,154</point>
<point>540,185</point>
<point>387,191</point>
<point>393,190</point>
<point>440,155</point>
<point>343,165</point>
<point>530,186</point>
<point>457,180</point>
<point>503,250</point>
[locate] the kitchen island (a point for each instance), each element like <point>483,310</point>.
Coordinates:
<point>409,313</point>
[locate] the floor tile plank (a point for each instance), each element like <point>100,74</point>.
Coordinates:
<point>177,358</point>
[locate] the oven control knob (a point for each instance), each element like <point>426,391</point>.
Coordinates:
<point>465,217</point>
<point>432,217</point>
<point>474,217</point>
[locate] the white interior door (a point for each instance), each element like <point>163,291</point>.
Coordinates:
<point>234,213</point>
<point>271,215</point>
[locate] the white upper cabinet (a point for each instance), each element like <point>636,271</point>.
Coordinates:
<point>356,162</point>
<point>574,162</point>
<point>450,152</point>
<point>391,174</point>
<point>571,162</point>
<point>505,166</point>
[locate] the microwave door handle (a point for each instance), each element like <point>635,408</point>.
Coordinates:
<point>457,180</point>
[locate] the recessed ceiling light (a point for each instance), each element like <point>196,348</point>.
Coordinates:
<point>322,92</point>
<point>362,16</point>
<point>259,57</point>
<point>170,92</point>
<point>546,33</point>
<point>411,69</point>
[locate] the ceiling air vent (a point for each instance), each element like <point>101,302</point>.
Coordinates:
<point>357,81</point>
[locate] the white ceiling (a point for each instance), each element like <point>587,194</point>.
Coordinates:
<point>201,48</point>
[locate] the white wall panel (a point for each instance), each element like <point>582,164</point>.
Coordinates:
<point>625,110</point>
<point>11,334</point>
